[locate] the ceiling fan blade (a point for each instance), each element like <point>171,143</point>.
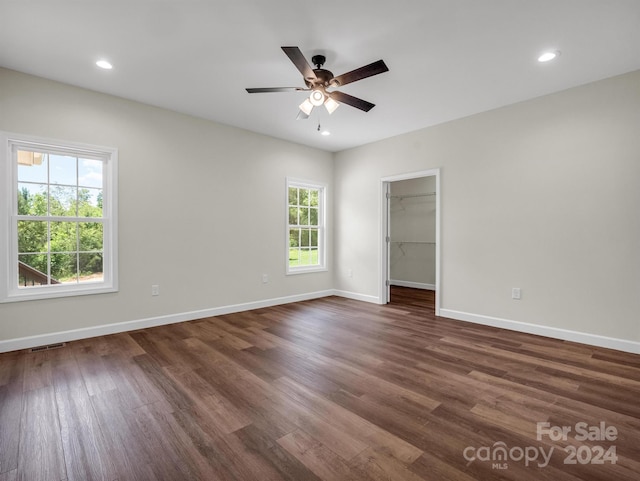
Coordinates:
<point>295,55</point>
<point>274,89</point>
<point>302,115</point>
<point>351,100</point>
<point>370,70</point>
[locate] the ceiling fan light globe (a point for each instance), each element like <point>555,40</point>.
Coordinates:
<point>331,105</point>
<point>306,106</point>
<point>316,98</point>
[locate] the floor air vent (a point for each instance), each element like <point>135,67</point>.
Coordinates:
<point>48,347</point>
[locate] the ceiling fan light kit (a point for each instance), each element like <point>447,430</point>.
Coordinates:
<point>306,107</point>
<point>318,80</point>
<point>316,98</point>
<point>331,105</point>
<point>302,115</point>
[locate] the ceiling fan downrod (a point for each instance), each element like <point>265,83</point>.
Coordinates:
<point>318,61</point>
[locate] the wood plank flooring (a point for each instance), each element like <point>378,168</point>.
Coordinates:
<point>330,389</point>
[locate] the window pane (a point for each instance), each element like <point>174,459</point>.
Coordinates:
<point>32,270</point>
<point>90,173</point>
<point>32,199</point>
<point>293,215</point>
<point>304,216</point>
<point>293,196</point>
<point>314,238</point>
<point>91,267</point>
<point>89,202</point>
<point>306,257</point>
<point>293,256</point>
<point>305,237</point>
<point>64,267</point>
<point>63,170</point>
<point>313,216</point>
<point>313,198</point>
<point>304,196</point>
<point>64,237</point>
<point>294,237</point>
<point>32,236</point>
<point>91,236</point>
<point>63,201</point>
<point>32,166</point>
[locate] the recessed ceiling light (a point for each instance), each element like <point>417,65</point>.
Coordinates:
<point>325,133</point>
<point>104,64</point>
<point>549,55</point>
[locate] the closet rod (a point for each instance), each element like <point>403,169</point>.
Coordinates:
<point>412,242</point>
<point>407,196</point>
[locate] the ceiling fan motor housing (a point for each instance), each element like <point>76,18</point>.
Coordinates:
<point>324,78</point>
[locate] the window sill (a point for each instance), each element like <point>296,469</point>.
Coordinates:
<point>39,293</point>
<point>305,270</point>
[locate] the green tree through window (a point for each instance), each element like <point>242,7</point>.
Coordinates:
<point>60,230</point>
<point>305,225</point>
<point>62,207</point>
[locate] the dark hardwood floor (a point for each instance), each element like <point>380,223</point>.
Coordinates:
<point>330,389</point>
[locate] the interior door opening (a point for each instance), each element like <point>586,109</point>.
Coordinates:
<point>411,232</point>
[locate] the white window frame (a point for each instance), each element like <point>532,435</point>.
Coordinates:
<point>9,290</point>
<point>322,231</point>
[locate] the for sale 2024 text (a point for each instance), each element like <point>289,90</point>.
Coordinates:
<point>581,432</point>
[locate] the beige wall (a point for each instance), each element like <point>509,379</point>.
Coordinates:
<point>202,207</point>
<point>541,195</point>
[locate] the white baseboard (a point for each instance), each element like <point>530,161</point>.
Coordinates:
<point>547,331</point>
<point>105,329</point>
<point>75,334</point>
<point>356,296</point>
<point>414,285</point>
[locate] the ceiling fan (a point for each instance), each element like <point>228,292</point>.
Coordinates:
<point>318,80</point>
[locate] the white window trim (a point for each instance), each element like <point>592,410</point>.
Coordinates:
<point>322,229</point>
<point>9,291</point>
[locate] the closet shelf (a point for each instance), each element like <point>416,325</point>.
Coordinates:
<point>412,242</point>
<point>408,196</point>
<point>400,244</point>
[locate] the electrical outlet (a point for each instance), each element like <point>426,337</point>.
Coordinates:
<point>265,278</point>
<point>516,293</point>
<point>155,290</point>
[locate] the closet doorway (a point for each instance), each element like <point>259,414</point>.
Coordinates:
<point>410,239</point>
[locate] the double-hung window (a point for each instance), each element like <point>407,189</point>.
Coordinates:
<point>306,245</point>
<point>58,218</point>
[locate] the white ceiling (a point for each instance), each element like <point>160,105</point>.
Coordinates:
<point>447,58</point>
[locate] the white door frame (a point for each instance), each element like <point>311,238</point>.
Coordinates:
<point>383,293</point>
